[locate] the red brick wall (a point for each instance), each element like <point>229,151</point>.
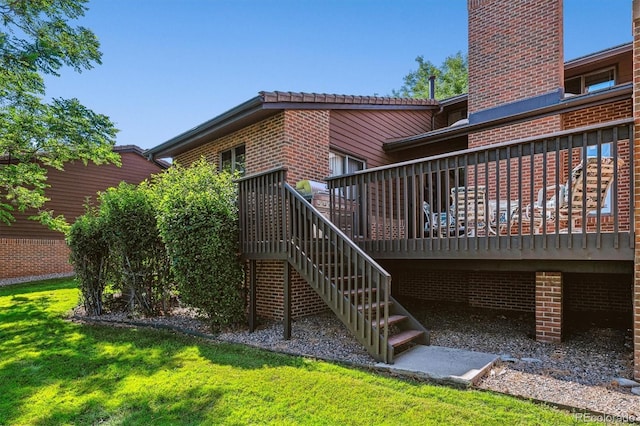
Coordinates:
<point>481,289</point>
<point>598,293</point>
<point>515,50</point>
<point>298,140</point>
<point>597,114</point>
<point>270,293</point>
<point>549,300</point>
<point>306,144</point>
<point>263,142</point>
<point>33,258</point>
<point>513,291</point>
<point>448,285</point>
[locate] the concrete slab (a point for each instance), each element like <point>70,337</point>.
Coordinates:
<point>442,364</point>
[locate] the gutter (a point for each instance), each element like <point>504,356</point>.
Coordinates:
<point>209,126</point>
<point>617,93</point>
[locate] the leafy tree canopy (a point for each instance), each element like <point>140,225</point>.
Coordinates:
<point>451,78</point>
<point>37,39</point>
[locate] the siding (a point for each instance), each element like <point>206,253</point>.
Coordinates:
<point>71,187</point>
<point>362,133</point>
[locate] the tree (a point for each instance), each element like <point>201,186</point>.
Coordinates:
<point>36,39</point>
<point>451,78</point>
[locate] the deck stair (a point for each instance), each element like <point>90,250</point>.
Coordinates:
<point>276,222</point>
<point>355,288</point>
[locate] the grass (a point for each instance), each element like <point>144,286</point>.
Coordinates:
<point>56,372</point>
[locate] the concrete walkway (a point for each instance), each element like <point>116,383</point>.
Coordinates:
<point>456,366</point>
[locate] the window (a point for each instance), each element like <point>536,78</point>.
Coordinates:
<point>592,151</point>
<point>340,164</point>
<point>591,82</point>
<point>233,160</point>
<point>455,116</point>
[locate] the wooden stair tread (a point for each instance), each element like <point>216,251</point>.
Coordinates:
<point>359,291</point>
<point>393,319</point>
<point>403,337</point>
<point>373,306</point>
<point>350,277</point>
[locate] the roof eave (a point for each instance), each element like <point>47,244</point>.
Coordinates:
<point>241,111</point>
<point>623,91</point>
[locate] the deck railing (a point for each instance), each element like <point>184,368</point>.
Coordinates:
<point>564,194</point>
<point>276,222</point>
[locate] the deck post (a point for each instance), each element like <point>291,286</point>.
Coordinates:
<point>252,295</point>
<point>549,307</point>
<point>636,181</point>
<point>287,300</point>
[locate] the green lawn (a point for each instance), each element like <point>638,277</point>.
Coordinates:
<point>56,372</point>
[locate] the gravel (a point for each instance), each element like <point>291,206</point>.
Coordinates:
<point>580,372</point>
<point>17,280</point>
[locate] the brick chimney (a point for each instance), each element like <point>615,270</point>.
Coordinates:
<point>515,63</point>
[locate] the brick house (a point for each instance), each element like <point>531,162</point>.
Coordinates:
<point>29,250</point>
<point>528,238</point>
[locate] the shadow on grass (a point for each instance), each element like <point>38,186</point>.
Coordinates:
<point>47,359</point>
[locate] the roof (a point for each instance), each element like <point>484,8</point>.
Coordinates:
<point>599,55</point>
<point>135,149</point>
<point>120,149</point>
<point>267,104</point>
<point>623,91</point>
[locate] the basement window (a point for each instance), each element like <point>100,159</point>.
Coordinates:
<point>591,82</point>
<point>233,160</point>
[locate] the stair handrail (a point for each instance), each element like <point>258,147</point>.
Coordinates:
<point>380,343</point>
<point>269,228</point>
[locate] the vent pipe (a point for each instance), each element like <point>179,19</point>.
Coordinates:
<point>432,87</point>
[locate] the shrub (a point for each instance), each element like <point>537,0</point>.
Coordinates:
<point>139,258</point>
<point>89,257</point>
<point>198,221</point>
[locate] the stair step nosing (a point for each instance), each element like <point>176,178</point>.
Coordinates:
<point>404,337</point>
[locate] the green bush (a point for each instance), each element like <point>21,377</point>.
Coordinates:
<point>89,257</point>
<point>198,221</point>
<point>141,268</point>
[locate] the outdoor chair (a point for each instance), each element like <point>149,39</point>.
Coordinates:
<point>587,192</point>
<point>438,224</point>
<point>543,211</point>
<point>471,210</point>
<point>563,205</point>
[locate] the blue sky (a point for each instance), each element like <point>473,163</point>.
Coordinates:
<point>169,65</point>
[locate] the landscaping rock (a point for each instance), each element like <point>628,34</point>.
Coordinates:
<point>508,358</point>
<point>625,383</point>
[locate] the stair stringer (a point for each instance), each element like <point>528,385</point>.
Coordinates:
<point>358,320</point>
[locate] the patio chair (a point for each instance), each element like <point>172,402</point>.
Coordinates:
<point>575,201</point>
<point>584,193</point>
<point>471,210</point>
<point>436,224</point>
<point>543,210</point>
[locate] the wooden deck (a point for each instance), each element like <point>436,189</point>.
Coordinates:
<point>554,210</point>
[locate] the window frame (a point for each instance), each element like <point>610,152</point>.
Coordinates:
<point>583,77</point>
<point>233,162</point>
<point>345,162</point>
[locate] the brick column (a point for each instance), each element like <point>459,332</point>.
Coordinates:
<point>636,179</point>
<point>549,307</point>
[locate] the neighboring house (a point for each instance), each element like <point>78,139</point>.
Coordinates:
<point>29,250</point>
<point>524,219</point>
